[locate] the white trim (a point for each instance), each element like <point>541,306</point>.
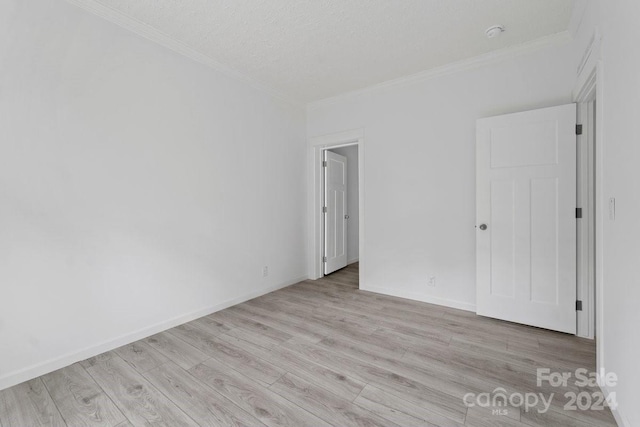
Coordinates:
<point>163,39</point>
<point>315,195</point>
<point>17,377</point>
<point>599,217</point>
<point>460,305</point>
<point>591,78</point>
<point>585,232</point>
<point>585,71</point>
<point>157,36</point>
<point>354,260</point>
<point>621,420</point>
<point>577,16</point>
<point>340,139</point>
<point>454,67</point>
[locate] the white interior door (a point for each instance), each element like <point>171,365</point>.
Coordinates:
<point>526,222</point>
<point>335,202</point>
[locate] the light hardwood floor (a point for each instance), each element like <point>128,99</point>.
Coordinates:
<point>313,354</point>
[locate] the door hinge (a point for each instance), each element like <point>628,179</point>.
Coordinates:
<point>578,129</point>
<point>324,209</point>
<point>578,305</point>
<point>324,163</point>
<point>324,259</point>
<point>578,212</point>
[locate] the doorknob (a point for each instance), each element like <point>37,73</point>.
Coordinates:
<point>346,217</point>
<point>483,227</point>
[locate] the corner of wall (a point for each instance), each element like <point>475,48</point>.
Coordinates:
<point>13,378</point>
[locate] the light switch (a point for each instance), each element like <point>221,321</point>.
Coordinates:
<point>612,208</point>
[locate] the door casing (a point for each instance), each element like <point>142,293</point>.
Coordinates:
<point>316,197</point>
<point>590,88</point>
<point>585,231</point>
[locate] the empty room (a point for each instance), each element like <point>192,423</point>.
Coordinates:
<point>319,213</point>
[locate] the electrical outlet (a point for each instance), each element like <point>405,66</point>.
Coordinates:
<point>265,271</point>
<point>432,281</point>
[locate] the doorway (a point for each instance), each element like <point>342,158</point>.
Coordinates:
<point>497,271</point>
<point>588,96</point>
<point>526,213</point>
<point>316,202</point>
<point>586,225</point>
<point>341,210</point>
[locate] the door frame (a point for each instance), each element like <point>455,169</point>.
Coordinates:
<point>585,231</point>
<point>316,196</point>
<point>589,88</point>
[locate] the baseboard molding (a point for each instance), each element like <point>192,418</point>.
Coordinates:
<point>460,305</point>
<point>620,419</point>
<point>26,374</point>
<point>351,261</point>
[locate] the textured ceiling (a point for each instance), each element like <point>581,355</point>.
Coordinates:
<point>313,49</point>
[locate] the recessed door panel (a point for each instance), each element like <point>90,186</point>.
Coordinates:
<point>536,144</point>
<point>544,240</point>
<point>502,241</point>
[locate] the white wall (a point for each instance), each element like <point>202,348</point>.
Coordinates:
<point>618,23</point>
<point>420,160</point>
<point>138,189</point>
<point>351,153</point>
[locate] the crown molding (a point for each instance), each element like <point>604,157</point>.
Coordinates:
<point>157,36</point>
<point>577,15</point>
<point>161,38</point>
<point>452,68</point>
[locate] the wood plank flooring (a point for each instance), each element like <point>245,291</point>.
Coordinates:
<point>317,353</point>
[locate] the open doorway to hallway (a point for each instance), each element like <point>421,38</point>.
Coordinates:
<point>351,144</point>
<point>340,210</point>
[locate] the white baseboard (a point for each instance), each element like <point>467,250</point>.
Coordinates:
<point>461,305</point>
<point>351,261</point>
<point>26,374</point>
<point>620,419</point>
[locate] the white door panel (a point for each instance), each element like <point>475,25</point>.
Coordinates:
<point>526,197</point>
<point>335,223</point>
